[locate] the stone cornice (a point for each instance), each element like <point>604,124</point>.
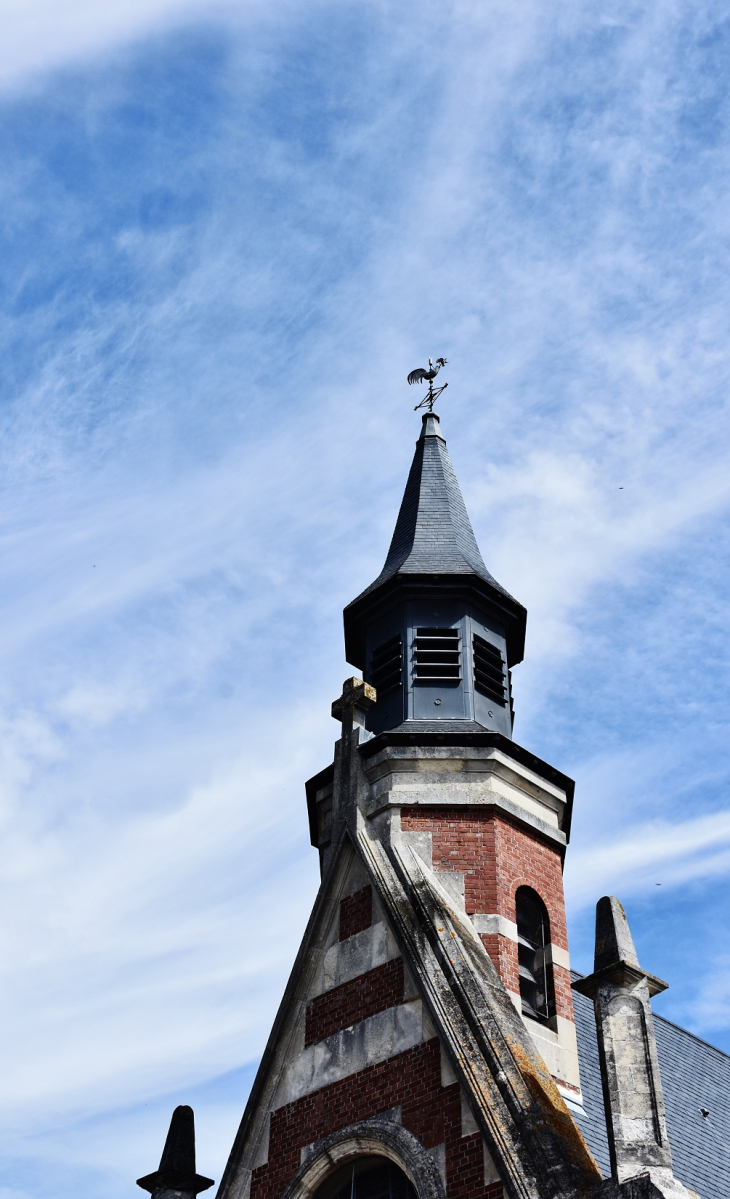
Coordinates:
<point>531,769</point>
<point>620,974</point>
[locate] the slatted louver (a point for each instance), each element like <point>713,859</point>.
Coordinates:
<point>386,666</point>
<point>437,655</point>
<point>489,675</point>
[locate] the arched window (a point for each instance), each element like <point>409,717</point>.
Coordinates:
<point>533,938</point>
<point>367,1178</point>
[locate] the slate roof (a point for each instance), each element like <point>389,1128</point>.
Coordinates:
<point>434,544</point>
<point>433,533</point>
<point>694,1075</point>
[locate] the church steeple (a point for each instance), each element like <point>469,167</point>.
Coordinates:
<point>433,533</point>
<point>427,1029</point>
<point>435,633</point>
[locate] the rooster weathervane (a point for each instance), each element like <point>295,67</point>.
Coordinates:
<point>421,376</point>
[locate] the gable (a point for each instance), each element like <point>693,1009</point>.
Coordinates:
<point>350,1029</point>
<point>394,1009</point>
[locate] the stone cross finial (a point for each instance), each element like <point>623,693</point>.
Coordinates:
<point>357,696</point>
<point>176,1177</point>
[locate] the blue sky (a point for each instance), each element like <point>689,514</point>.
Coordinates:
<point>228,234</point>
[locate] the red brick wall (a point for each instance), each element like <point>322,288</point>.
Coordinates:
<point>356,913</point>
<point>496,857</point>
<point>563,992</point>
<point>411,1080</point>
<point>503,953</point>
<point>353,1001</point>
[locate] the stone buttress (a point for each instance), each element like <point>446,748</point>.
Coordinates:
<point>636,1121</point>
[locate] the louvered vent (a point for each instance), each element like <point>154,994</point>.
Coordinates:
<point>386,666</point>
<point>437,655</point>
<point>489,676</point>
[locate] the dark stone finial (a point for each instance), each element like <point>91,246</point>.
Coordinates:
<point>614,942</point>
<point>179,1152</point>
<point>177,1164</point>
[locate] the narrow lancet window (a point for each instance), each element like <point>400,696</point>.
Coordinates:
<point>533,939</point>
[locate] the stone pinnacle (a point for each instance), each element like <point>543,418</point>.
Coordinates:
<point>176,1174</point>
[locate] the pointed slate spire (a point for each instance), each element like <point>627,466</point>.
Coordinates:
<point>433,533</point>
<point>434,541</point>
<point>176,1174</point>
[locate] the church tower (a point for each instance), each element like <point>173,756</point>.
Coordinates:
<point>425,1044</point>
<point>435,634</point>
<point>437,637</point>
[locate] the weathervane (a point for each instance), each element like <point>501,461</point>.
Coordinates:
<point>420,376</point>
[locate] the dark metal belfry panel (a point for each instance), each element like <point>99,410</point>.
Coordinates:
<point>491,706</point>
<point>489,670</point>
<point>436,678</point>
<point>386,669</point>
<point>436,654</point>
<point>436,673</point>
<point>386,666</point>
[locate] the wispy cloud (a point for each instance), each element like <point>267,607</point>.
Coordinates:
<point>226,244</point>
<point>712,1008</point>
<point>678,852</point>
<point>43,35</point>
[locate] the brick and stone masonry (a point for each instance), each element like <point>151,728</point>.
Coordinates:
<point>356,913</point>
<point>354,1001</point>
<point>417,1084</point>
<point>410,1081</point>
<point>496,856</point>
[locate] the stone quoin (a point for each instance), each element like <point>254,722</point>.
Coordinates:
<point>426,1046</point>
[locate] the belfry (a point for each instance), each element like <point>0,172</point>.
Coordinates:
<point>426,1046</point>
<point>435,600</point>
